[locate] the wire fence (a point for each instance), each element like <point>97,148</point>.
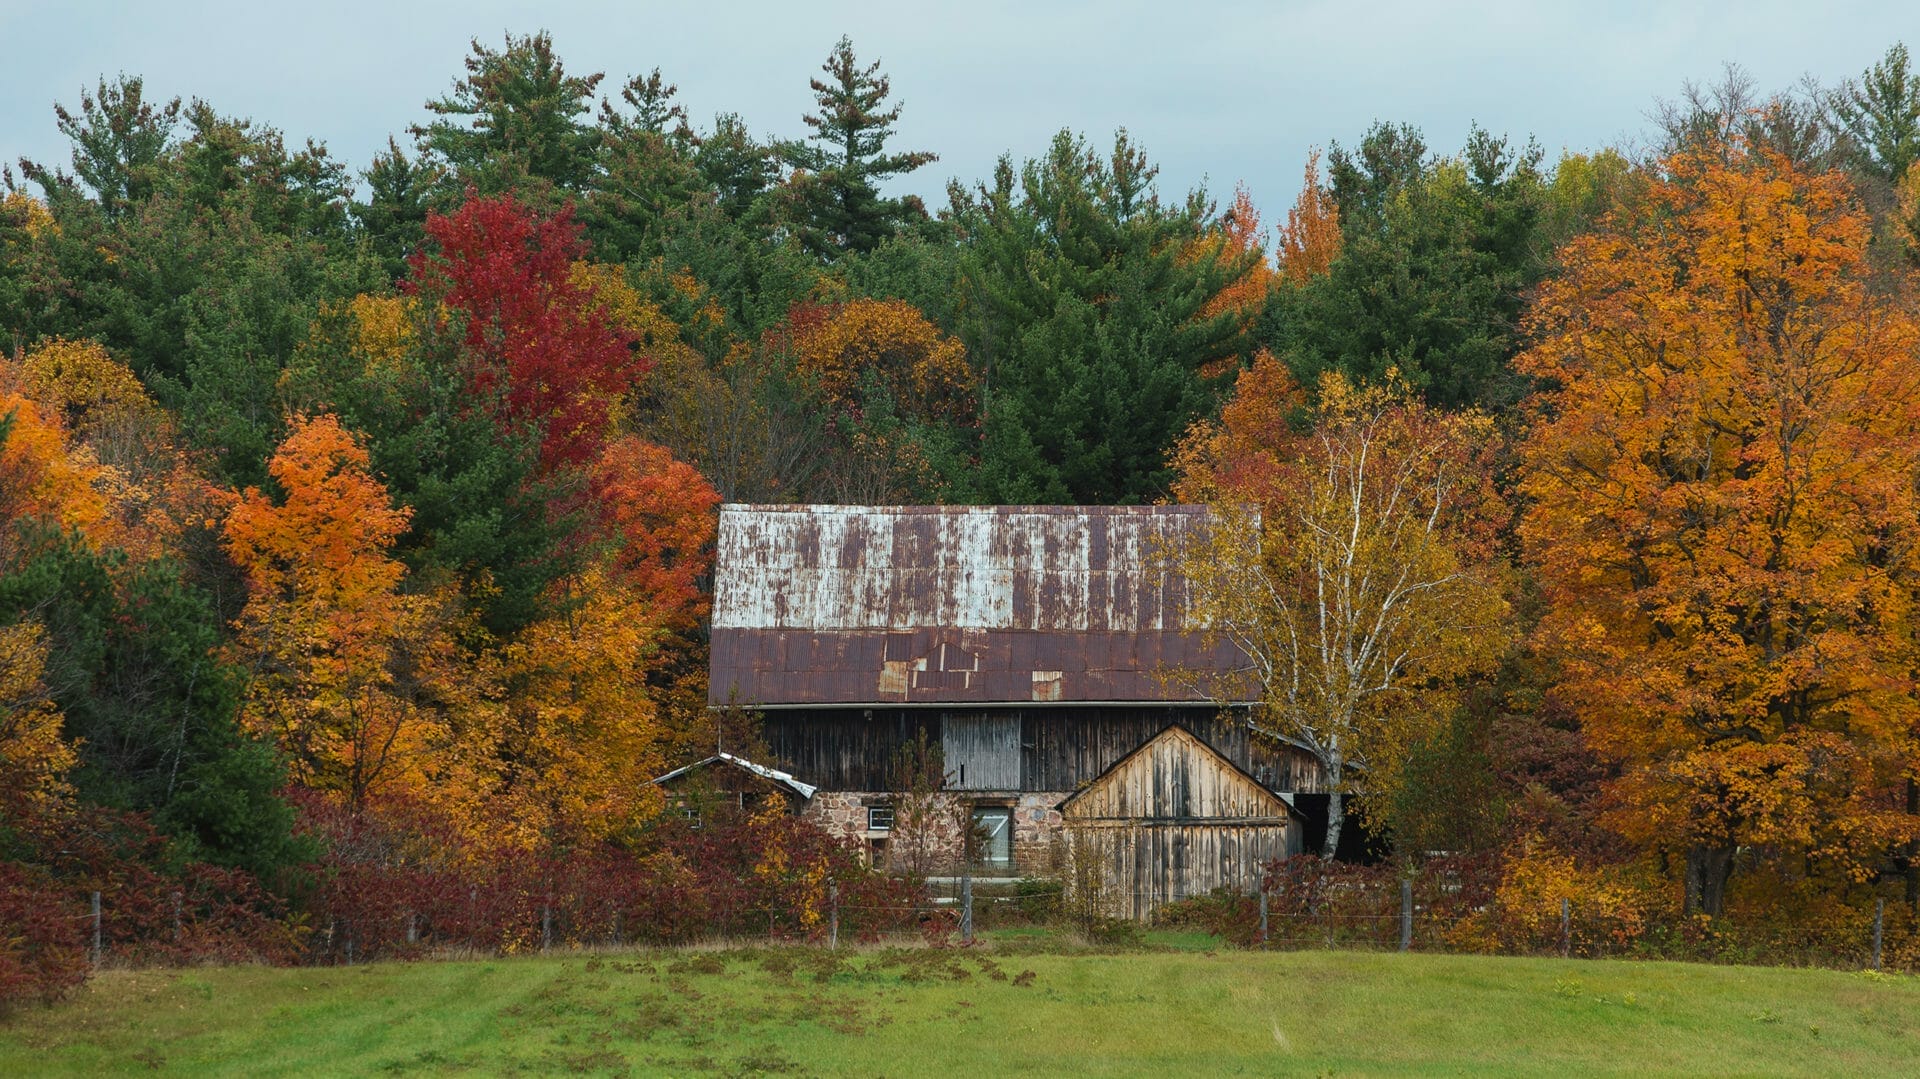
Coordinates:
<point>957,910</point>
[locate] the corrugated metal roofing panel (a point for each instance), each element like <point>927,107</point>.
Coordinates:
<point>918,604</point>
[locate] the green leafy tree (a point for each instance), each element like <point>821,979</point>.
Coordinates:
<point>837,202</point>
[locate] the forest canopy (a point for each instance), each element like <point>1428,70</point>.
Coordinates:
<point>384,492</point>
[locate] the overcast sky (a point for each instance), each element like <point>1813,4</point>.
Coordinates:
<point>1217,92</point>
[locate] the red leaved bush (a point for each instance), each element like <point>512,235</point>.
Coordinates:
<point>152,911</point>
<point>42,947</point>
<point>392,885</point>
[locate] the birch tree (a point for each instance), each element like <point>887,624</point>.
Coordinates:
<point>1353,564</point>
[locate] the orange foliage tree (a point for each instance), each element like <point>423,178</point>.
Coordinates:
<point>657,515</point>
<point>1310,239</point>
<point>345,667</point>
<point>1353,562</point>
<point>1722,515</point>
<point>43,475</point>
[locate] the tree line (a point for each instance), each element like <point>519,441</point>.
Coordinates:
<point>389,494</point>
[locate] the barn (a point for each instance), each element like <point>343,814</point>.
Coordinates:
<point>1038,647</point>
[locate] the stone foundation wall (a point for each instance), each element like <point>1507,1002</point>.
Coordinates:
<point>1038,840</point>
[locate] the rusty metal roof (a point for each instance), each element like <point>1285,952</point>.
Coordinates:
<point>948,604</point>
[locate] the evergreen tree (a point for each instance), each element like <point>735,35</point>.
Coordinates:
<point>1089,317</point>
<point>118,137</point>
<point>1435,258</point>
<point>517,118</point>
<point>1880,115</point>
<point>132,668</point>
<point>646,170</point>
<point>393,219</point>
<point>737,167</point>
<point>837,201</point>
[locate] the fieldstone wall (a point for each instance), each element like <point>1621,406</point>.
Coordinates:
<point>1038,830</point>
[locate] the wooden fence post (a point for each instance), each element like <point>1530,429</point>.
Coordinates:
<point>966,906</point>
<point>1566,927</point>
<point>1406,914</point>
<point>1879,923</point>
<point>97,938</point>
<point>546,926</point>
<point>833,916</point>
<point>1263,914</point>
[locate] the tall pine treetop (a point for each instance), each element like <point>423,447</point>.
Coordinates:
<point>838,204</point>
<point>516,115</point>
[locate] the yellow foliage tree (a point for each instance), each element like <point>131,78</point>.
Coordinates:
<point>921,371</point>
<point>577,735</point>
<point>1354,565</point>
<point>349,674</point>
<point>34,756</point>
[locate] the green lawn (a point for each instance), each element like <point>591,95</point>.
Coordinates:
<point>991,1011</point>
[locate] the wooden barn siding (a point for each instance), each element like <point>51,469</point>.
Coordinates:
<point>1173,778</point>
<point>1145,864</point>
<point>1060,748</point>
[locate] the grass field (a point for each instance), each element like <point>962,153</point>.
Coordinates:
<point>991,1011</point>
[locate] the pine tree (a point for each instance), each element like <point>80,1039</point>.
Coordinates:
<point>1881,115</point>
<point>394,217</point>
<point>118,138</point>
<point>517,116</point>
<point>838,203</point>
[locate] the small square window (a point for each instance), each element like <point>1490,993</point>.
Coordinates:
<point>993,836</point>
<point>879,818</point>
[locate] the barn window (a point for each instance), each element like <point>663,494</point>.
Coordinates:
<point>879,818</point>
<point>993,836</point>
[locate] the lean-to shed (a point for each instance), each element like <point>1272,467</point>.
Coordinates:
<point>724,781</point>
<point>1174,819</point>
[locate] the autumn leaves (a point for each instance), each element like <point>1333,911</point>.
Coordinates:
<point>1721,511</point>
<point>380,687</point>
<point>1713,490</point>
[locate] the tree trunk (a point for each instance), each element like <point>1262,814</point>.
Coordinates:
<point>1913,849</point>
<point>1336,819</point>
<point>1708,870</point>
